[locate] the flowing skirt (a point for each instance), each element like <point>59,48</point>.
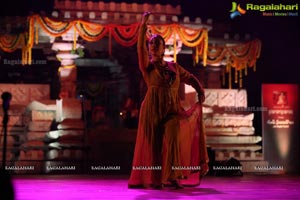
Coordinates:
<point>177,152</point>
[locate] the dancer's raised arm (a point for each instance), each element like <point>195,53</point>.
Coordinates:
<point>141,43</point>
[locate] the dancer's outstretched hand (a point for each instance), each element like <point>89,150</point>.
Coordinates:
<point>145,17</point>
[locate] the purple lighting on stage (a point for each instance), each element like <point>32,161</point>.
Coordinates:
<point>93,187</point>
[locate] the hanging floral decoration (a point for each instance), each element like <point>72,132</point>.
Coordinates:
<point>52,27</point>
<point>125,35</point>
<point>10,43</point>
<point>29,42</point>
<point>90,31</point>
<point>197,38</point>
<point>238,57</point>
<point>165,30</point>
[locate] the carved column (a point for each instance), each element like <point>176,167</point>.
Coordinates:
<point>67,72</point>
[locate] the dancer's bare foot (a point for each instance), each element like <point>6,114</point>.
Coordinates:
<point>204,169</point>
<point>158,186</point>
<point>175,183</point>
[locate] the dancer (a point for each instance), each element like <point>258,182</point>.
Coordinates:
<point>170,143</point>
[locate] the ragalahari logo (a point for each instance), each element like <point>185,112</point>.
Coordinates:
<point>236,10</point>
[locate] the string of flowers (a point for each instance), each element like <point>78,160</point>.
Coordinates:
<point>197,38</point>
<point>239,57</point>
<point>10,43</point>
<point>124,35</point>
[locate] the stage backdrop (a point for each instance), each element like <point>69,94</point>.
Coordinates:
<point>281,143</point>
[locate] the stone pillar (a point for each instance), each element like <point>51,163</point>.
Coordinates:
<point>68,77</point>
<point>67,72</point>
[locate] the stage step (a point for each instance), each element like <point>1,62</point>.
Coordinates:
<point>239,155</point>
<point>232,139</point>
<point>236,147</point>
<point>261,167</point>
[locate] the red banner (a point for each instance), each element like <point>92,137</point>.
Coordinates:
<point>281,126</point>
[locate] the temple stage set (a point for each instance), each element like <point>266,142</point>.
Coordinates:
<point>89,119</point>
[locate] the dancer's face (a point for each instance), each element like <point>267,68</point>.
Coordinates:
<point>156,46</point>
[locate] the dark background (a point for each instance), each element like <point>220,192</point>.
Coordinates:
<point>279,35</point>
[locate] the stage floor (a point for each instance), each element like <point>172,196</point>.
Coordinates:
<point>72,187</point>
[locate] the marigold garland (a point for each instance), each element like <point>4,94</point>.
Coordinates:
<point>189,37</point>
<point>164,30</point>
<point>239,57</point>
<point>10,43</point>
<point>53,28</point>
<point>90,31</point>
<point>124,35</point>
